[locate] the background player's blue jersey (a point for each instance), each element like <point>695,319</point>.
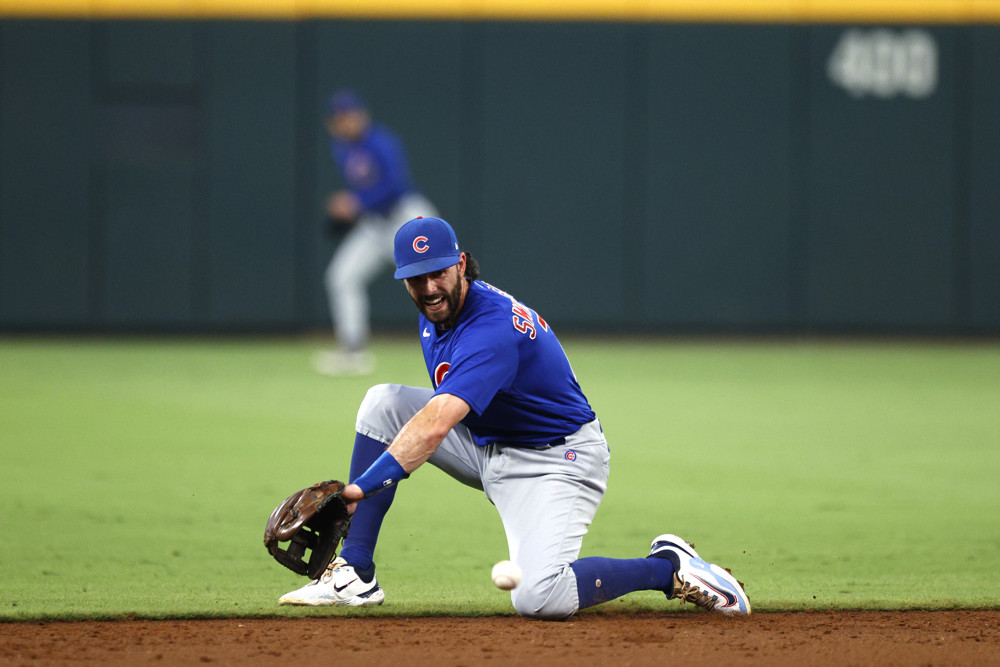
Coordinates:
<point>374,168</point>
<point>505,362</point>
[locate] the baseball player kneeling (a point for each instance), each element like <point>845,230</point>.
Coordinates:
<point>505,415</point>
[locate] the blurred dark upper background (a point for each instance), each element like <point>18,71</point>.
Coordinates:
<point>692,171</point>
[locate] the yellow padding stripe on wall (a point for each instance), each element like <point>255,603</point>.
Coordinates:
<point>775,11</point>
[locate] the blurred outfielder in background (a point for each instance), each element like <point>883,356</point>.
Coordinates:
<point>379,197</point>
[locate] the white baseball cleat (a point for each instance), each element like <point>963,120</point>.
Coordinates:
<point>340,584</point>
<point>695,580</point>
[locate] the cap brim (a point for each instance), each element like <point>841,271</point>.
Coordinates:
<point>426,266</point>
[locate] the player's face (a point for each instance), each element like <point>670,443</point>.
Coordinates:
<point>348,125</point>
<point>439,295</point>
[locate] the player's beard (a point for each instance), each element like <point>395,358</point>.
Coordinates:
<point>446,317</point>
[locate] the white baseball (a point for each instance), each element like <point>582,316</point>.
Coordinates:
<point>506,575</point>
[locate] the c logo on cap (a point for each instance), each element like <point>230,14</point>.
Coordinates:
<point>420,244</point>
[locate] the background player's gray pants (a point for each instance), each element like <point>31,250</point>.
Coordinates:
<point>363,253</point>
<point>546,497</point>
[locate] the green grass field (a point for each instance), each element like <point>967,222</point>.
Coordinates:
<point>136,475</point>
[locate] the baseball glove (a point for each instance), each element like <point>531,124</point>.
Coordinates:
<point>316,519</point>
<point>337,228</point>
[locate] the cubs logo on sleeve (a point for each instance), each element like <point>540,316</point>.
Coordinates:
<point>440,372</point>
<point>360,169</point>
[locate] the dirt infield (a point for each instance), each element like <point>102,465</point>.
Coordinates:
<point>805,638</point>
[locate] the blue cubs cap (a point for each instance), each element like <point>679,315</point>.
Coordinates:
<point>425,245</point>
<point>344,100</point>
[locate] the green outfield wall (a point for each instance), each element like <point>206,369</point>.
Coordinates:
<point>787,172</point>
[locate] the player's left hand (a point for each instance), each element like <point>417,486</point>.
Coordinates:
<point>314,519</point>
<point>343,205</point>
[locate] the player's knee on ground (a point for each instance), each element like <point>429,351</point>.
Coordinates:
<point>547,596</point>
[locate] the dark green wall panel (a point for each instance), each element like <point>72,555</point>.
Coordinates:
<point>983,272</point>
<point>251,175</point>
<point>151,148</point>
<point>155,55</point>
<point>46,131</point>
<point>148,243</point>
<point>553,128</point>
<point>881,175</point>
<point>716,245</point>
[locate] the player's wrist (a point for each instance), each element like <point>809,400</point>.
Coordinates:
<point>352,493</point>
<point>383,473</point>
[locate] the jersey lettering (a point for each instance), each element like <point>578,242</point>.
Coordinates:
<point>497,290</point>
<point>523,321</point>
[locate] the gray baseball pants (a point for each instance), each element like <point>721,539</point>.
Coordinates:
<point>546,496</point>
<point>357,261</point>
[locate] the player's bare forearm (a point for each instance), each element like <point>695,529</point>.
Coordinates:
<point>410,449</point>
<point>420,437</point>
<point>415,442</point>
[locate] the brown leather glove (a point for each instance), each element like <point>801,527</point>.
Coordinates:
<point>314,518</point>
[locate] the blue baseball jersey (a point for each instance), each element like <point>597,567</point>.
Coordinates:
<point>504,360</point>
<point>374,168</point>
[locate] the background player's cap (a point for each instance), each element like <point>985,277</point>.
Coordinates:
<point>425,245</point>
<point>344,100</point>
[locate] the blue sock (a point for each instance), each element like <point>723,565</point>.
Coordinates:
<point>359,545</point>
<point>601,579</point>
